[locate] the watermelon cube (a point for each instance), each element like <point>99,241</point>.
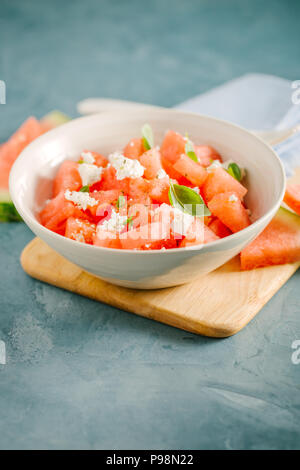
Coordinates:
<point>219,228</point>
<point>67,177</point>
<point>159,190</point>
<point>80,230</point>
<point>106,239</point>
<point>198,234</point>
<point>152,236</point>
<point>191,170</point>
<point>229,209</point>
<point>134,149</point>
<point>151,162</point>
<point>56,213</point>
<point>219,181</point>
<point>173,146</point>
<point>206,154</point>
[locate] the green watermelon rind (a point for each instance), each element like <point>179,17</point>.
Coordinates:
<point>288,208</point>
<point>55,118</point>
<point>289,217</point>
<point>8,212</point>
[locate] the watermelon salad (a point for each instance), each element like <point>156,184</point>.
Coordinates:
<point>147,197</point>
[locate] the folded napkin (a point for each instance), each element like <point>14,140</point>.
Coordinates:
<point>255,101</point>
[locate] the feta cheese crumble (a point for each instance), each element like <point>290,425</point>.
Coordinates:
<point>82,200</point>
<point>115,223</point>
<point>87,157</point>
<point>89,173</point>
<point>126,167</point>
<point>161,174</point>
<point>180,221</point>
<point>233,198</point>
<point>215,164</point>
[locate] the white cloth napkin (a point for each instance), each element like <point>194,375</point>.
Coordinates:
<point>255,101</point>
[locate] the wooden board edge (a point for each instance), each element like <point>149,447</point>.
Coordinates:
<point>145,309</point>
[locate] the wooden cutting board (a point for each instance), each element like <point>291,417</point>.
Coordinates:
<point>219,304</point>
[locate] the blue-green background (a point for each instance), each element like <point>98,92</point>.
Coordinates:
<point>85,375</point>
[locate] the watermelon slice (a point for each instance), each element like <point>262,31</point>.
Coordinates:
<point>279,243</point>
<point>8,212</point>
<point>292,197</point>
<point>54,119</point>
<point>10,150</point>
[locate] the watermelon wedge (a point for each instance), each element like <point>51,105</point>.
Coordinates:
<point>10,150</point>
<point>279,243</point>
<point>54,119</point>
<point>292,197</point>
<point>8,212</point>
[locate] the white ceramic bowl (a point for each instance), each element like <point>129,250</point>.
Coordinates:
<point>30,186</point>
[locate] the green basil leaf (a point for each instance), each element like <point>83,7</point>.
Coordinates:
<point>147,136</point>
<point>187,200</point>
<point>84,189</point>
<point>192,155</point>
<point>129,222</point>
<point>121,201</point>
<point>189,149</point>
<point>235,171</point>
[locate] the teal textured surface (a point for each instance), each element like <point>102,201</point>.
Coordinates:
<point>81,374</point>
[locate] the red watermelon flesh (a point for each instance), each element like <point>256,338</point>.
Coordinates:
<point>80,230</point>
<point>151,161</point>
<point>219,181</point>
<point>279,243</point>
<point>198,234</point>
<point>292,197</point>
<point>206,154</point>
<point>134,149</point>
<point>10,150</point>
<point>229,209</point>
<point>191,170</point>
<point>219,228</point>
<point>67,177</point>
<point>173,146</point>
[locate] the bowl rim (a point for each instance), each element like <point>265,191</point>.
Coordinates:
<point>125,113</point>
